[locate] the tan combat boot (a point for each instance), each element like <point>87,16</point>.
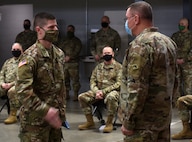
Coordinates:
<point>89,124</point>
<point>109,125</point>
<point>12,117</point>
<point>186,133</point>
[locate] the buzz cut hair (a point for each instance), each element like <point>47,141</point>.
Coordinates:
<point>72,26</point>
<point>42,18</point>
<point>143,9</point>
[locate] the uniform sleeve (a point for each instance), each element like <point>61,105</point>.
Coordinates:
<point>116,85</point>
<point>77,50</point>
<point>138,70</point>
<point>93,80</point>
<point>24,83</point>
<point>2,73</point>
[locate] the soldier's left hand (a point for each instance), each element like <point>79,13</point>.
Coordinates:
<point>126,132</point>
<point>52,117</point>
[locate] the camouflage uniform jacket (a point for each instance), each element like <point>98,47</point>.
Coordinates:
<point>8,71</point>
<point>184,44</point>
<point>72,48</point>
<point>148,78</point>
<point>102,38</point>
<point>40,83</point>
<point>26,38</point>
<point>106,77</point>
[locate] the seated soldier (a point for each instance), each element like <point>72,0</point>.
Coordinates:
<point>105,84</point>
<point>184,104</point>
<point>7,81</point>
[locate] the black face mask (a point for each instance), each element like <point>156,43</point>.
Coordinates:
<point>107,57</point>
<point>26,26</point>
<point>104,24</point>
<point>16,53</point>
<point>70,34</point>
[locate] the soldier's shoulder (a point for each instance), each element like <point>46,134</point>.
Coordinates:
<point>100,31</point>
<point>58,50</point>
<point>32,51</point>
<point>77,39</point>
<point>99,66</point>
<point>118,64</point>
<point>113,30</point>
<point>9,60</point>
<point>20,36</point>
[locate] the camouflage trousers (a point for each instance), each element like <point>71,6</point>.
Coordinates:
<point>111,100</point>
<point>185,79</point>
<point>40,134</point>
<point>184,104</point>
<point>149,136</point>
<point>13,99</point>
<point>72,74</point>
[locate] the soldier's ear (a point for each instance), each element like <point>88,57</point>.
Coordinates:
<point>37,28</point>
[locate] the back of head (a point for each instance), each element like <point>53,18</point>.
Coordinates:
<point>143,9</point>
<point>42,18</point>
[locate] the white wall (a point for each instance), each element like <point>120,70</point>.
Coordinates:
<point>11,24</point>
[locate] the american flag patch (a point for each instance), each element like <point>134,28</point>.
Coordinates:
<point>22,63</point>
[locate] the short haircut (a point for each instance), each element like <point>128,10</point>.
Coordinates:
<point>143,9</point>
<point>188,21</point>
<point>28,21</point>
<point>73,27</point>
<point>41,19</point>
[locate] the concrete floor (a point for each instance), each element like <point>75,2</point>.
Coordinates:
<point>9,133</point>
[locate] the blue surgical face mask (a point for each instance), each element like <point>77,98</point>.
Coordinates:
<point>127,29</point>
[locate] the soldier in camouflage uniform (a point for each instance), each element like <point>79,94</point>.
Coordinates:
<point>106,36</point>
<point>27,37</point>
<point>40,85</point>
<point>104,84</point>
<point>183,39</point>
<point>71,46</point>
<point>7,82</point>
<point>148,79</point>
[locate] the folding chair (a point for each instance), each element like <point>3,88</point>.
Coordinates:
<point>6,103</point>
<point>98,108</point>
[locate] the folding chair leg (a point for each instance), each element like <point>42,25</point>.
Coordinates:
<point>8,106</point>
<point>3,106</point>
